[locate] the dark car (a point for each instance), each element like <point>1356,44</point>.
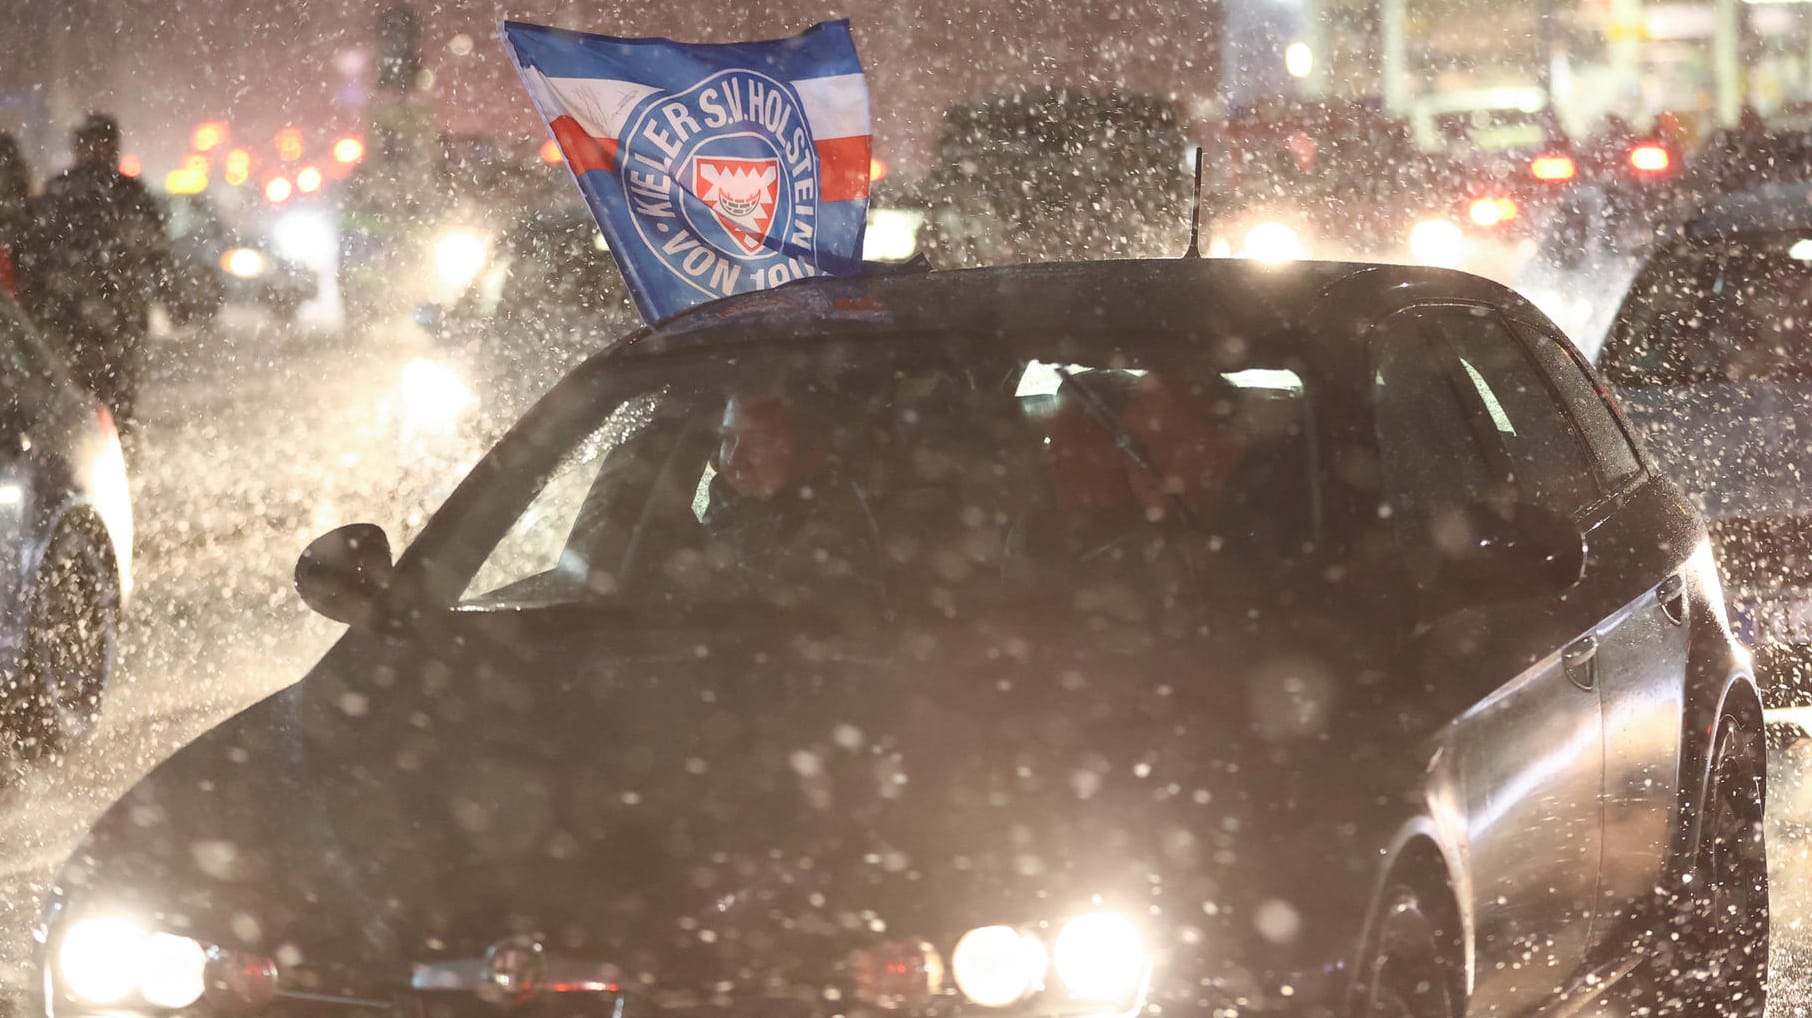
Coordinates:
<point>1030,176</point>
<point>213,264</point>
<point>1320,179</point>
<point>1710,357</point>
<point>65,547</point>
<point>1056,640</point>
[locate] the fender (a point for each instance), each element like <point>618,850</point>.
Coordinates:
<point>1720,680</point>
<point>1419,833</point>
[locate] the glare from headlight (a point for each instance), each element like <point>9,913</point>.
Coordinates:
<point>998,966</point>
<point>96,957</point>
<point>173,973</point>
<point>433,395</point>
<point>1100,957</point>
<point>305,237</point>
<point>243,262</point>
<point>459,257</point>
<point>893,234</point>
<point>1272,242</point>
<point>1437,242</point>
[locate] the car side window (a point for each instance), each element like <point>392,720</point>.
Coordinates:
<point>1428,456</point>
<point>1548,459</point>
<point>541,547</point>
<point>1590,406</point>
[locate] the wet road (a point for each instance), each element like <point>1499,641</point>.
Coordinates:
<point>255,440</point>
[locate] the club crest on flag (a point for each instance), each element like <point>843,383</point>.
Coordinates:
<point>740,193</point>
<point>713,169</point>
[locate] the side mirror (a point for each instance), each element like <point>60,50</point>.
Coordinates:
<point>1493,552</point>
<point>344,573</point>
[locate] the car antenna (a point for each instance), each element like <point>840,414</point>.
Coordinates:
<point>1195,210</point>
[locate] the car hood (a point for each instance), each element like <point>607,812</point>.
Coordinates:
<point>712,807</point>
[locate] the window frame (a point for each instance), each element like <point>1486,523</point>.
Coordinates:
<point>1621,489</point>
<point>1478,415</point>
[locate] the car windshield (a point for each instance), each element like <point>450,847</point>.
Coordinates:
<point>904,474</point>
<point>1732,309</point>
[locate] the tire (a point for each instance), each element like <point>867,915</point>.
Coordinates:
<point>1721,918</point>
<point>1409,972</point>
<point>71,644</point>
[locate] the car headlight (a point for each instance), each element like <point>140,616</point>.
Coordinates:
<point>1101,957</point>
<point>1099,960</point>
<point>459,256</point>
<point>243,262</point>
<point>997,966</point>
<point>112,962</point>
<point>433,395</point>
<point>1272,242</point>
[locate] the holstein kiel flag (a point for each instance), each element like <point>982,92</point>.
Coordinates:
<point>712,169</point>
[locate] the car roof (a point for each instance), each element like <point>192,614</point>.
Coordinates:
<point>1766,208</point>
<point>1221,296</point>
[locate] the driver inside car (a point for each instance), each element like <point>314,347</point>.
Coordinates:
<point>785,503</point>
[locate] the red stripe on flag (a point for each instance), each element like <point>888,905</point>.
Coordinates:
<point>843,167</point>
<point>584,153</point>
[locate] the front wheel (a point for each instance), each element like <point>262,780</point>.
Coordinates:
<point>1407,974</point>
<point>71,643</point>
<point>1721,923</point>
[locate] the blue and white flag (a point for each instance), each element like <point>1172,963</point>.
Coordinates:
<point>713,169</point>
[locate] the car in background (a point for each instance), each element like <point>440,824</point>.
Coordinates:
<point>1321,179</point>
<point>1505,168</point>
<point>1710,357</point>
<point>214,264</point>
<point>1030,176</point>
<point>1072,639</point>
<point>65,548</point>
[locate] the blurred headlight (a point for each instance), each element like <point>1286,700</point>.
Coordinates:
<point>433,395</point>
<point>459,257</point>
<point>305,237</point>
<point>1101,957</point>
<point>97,959</point>
<point>1436,242</point>
<point>893,234</point>
<point>1272,242</point>
<point>998,966</point>
<point>174,971</point>
<point>243,262</point>
<point>110,962</point>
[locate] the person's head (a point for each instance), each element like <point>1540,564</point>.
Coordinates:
<point>768,444</point>
<point>97,141</point>
<point>15,176</point>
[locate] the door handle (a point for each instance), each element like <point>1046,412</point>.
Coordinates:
<point>1671,595</point>
<point>1579,661</point>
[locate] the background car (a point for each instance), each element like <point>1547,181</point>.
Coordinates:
<point>1321,179</point>
<point>213,264</point>
<point>65,547</point>
<point>830,639</point>
<point>1709,355</point>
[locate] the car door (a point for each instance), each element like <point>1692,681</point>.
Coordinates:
<point>1642,653</point>
<point>1526,742</point>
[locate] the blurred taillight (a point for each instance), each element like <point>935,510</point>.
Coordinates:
<point>898,973</point>
<point>1492,211</point>
<point>1650,158</point>
<point>1554,168</point>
